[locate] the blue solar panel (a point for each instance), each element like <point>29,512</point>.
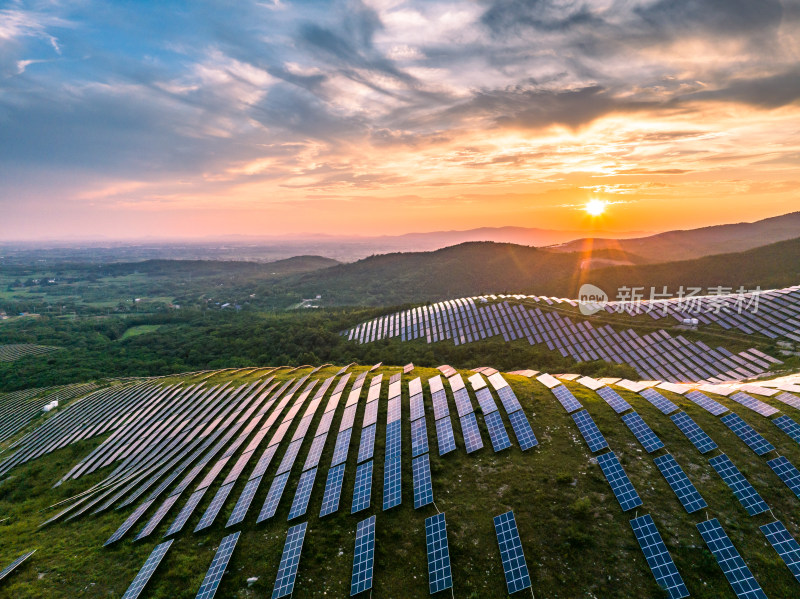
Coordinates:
<point>705,402</point>
<point>508,399</point>
<point>787,473</point>
<point>444,436</point>
<point>392,479</point>
<point>659,401</point>
<point>620,483</point>
<point>747,434</point>
<point>463,403</point>
<point>15,564</point>
<point>141,579</point>
<point>729,560</point>
<point>367,445</point>
<point>317,445</point>
<point>680,483</point>
<point>785,545</point>
<point>440,409</point>
<point>156,518</point>
<point>471,433</point>
<point>333,488</point>
<point>485,400</point>
<point>614,399</point>
<point>364,557</point>
<point>419,437</point>
<point>514,566</point>
<point>591,434</point>
<point>497,431</point>
<point>213,577</point>
<point>744,491</point>
<point>243,504</point>
<point>303,493</point>
<point>214,507</point>
<point>348,418</point>
<point>393,410</point>
<point>393,439</point>
<point>423,486</point>
<point>439,575</point>
<point>129,522</point>
<point>362,492</point>
<point>658,558</point>
<point>417,406</point>
<point>643,433</point>
<point>693,432</point>
<point>566,398</point>
<point>370,413</point>
<point>273,497</point>
<point>754,404</point>
<point>522,430</point>
<point>264,461</point>
<point>342,447</point>
<point>788,426</point>
<point>290,560</point>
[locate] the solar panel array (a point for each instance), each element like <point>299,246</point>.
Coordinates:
<point>439,574</point>
<point>290,561</point>
<point>566,398</point>
<point>514,566</point>
<point>705,402</point>
<point>137,586</point>
<point>788,426</point>
<point>423,486</point>
<point>693,432</point>
<point>363,557</point>
<point>362,491</point>
<point>787,472</point>
<point>658,558</point>
<point>744,491</point>
<point>643,433</point>
<point>747,434</point>
<point>657,355</point>
<point>729,560</point>
<point>614,399</point>
<point>620,483</point>
<point>754,404</point>
<point>591,434</point>
<point>680,483</point>
<point>661,403</point>
<point>785,546</point>
<point>441,413</point>
<point>210,584</point>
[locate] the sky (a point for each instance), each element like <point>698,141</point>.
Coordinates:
<point>194,119</point>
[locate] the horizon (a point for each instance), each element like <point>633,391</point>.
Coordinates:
<point>380,117</point>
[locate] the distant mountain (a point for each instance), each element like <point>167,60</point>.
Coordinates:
<point>695,243</point>
<point>210,268</point>
<point>477,268</point>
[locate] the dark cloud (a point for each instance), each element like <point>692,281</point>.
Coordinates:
<point>763,92</point>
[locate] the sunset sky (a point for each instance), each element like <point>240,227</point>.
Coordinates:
<point>189,119</point>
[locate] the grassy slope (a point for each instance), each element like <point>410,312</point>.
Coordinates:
<point>577,540</point>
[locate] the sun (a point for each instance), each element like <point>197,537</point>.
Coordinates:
<point>595,207</point>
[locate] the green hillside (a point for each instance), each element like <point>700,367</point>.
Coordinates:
<point>577,540</point>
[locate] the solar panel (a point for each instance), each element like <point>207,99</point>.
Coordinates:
<point>150,565</point>
<point>342,447</point>
<point>485,400</point>
<point>659,401</point>
<point>514,566</point>
<point>423,486</point>
<point>393,439</point>
<point>289,457</point>
<point>693,432</point>
<point>264,462</point>
<point>290,560</point>
<point>658,558</point>
<point>244,501</point>
<point>522,429</point>
<point>362,491</point>
<point>565,397</point>
<point>614,399</point>
<point>705,402</point>
<point>213,577</point>
<point>419,437</point>
<point>393,410</point>
<point>392,479</point>
<point>367,445</point>
<point>214,507</point>
<point>15,564</point>
<point>508,399</point>
<point>444,436</point>
<point>754,404</point>
<point>333,488</point>
<point>417,406</point>
<point>787,473</point>
<point>729,560</point>
<point>440,409</point>
<point>744,491</point>
<point>439,575</point>
<point>680,483</point>
<point>620,483</point>
<point>591,434</point>
<point>129,522</point>
<point>273,497</point>
<point>643,433</point>
<point>788,426</point>
<point>370,413</point>
<point>497,431</point>
<point>784,544</point>
<point>747,434</point>
<point>156,518</point>
<point>363,557</point>
<point>317,445</point>
<point>471,433</point>
<point>303,493</point>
